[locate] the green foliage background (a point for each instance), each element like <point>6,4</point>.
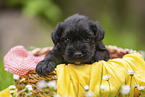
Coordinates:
<point>46,9</point>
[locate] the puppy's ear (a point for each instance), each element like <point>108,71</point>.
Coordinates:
<point>56,33</point>
<point>98,31</point>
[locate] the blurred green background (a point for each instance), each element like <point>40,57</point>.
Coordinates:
<point>30,23</point>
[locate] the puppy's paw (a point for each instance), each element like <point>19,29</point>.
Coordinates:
<point>45,67</point>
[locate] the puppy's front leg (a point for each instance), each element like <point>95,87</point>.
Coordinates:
<point>48,64</point>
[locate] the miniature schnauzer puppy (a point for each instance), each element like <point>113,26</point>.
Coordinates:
<point>77,40</point>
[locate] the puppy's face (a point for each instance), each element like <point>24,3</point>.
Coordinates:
<point>77,38</point>
<point>78,44</point>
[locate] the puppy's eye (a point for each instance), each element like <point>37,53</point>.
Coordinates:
<point>87,39</point>
<point>66,40</point>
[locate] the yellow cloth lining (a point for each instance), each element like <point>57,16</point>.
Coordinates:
<point>5,93</point>
<point>72,78</point>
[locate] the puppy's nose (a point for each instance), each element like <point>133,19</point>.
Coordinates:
<point>78,55</point>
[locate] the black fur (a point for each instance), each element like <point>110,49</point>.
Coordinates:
<point>77,40</point>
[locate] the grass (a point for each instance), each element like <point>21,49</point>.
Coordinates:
<point>6,78</point>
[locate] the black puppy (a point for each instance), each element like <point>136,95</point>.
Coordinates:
<point>77,40</point>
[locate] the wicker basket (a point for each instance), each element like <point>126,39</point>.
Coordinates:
<point>32,77</point>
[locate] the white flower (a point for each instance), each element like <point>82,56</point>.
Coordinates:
<point>106,77</point>
<point>140,88</point>
<point>141,70</point>
<point>22,80</point>
<point>16,77</point>
<point>86,87</point>
<point>131,72</point>
<point>89,94</point>
<point>12,92</point>
<point>56,95</point>
<point>12,87</point>
<point>28,94</point>
<point>52,84</point>
<point>125,89</point>
<point>29,87</point>
<point>41,84</point>
<point>135,85</point>
<point>103,87</point>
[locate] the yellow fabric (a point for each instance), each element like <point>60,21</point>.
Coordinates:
<point>73,78</point>
<point>5,93</point>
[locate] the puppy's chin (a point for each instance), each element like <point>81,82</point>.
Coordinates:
<point>78,62</point>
